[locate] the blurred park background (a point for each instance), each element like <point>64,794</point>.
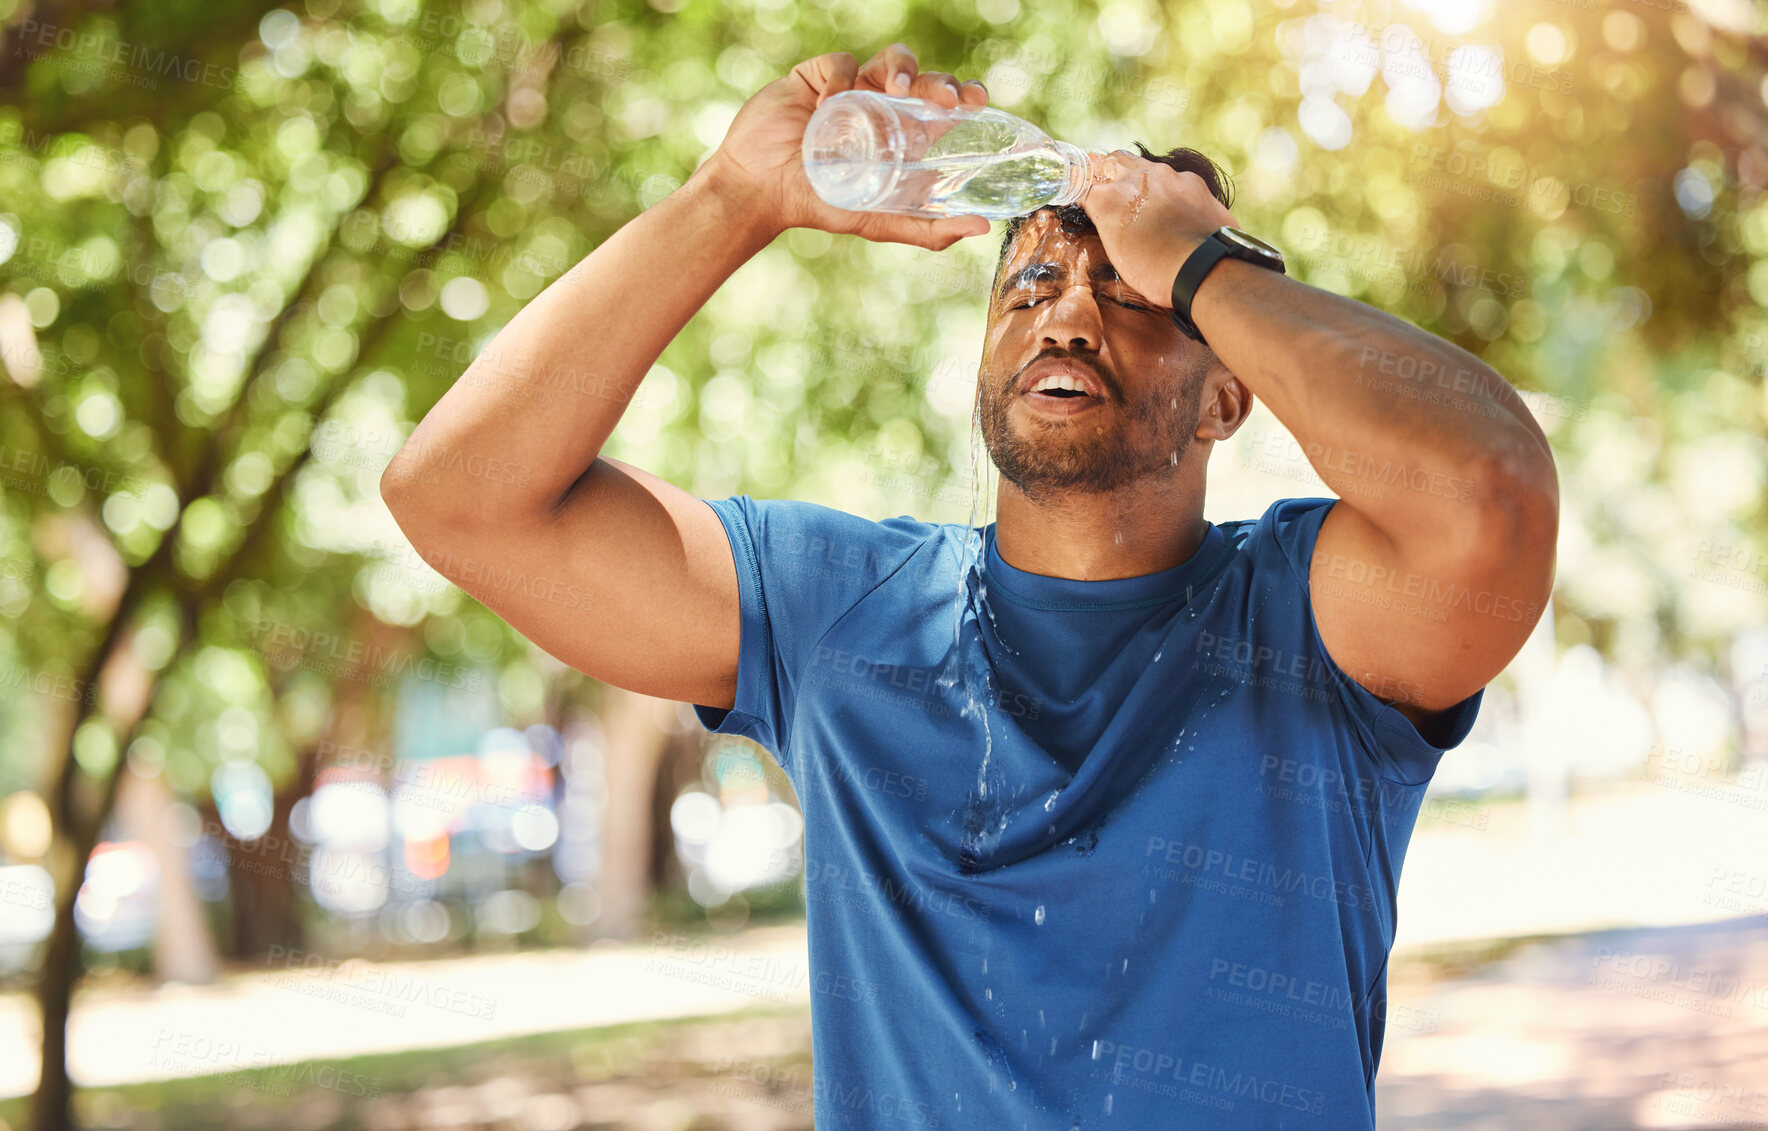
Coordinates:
<point>295,834</point>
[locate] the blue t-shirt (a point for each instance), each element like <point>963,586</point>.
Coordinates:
<point>1078,854</point>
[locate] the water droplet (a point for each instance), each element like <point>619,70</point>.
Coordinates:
<point>1157,656</point>
<point>1107,1103</point>
<point>1051,801</point>
<point>1175,404</point>
<point>985,965</point>
<point>1120,536</point>
<point>1137,201</point>
<point>1095,1049</point>
<point>1040,915</point>
<point>1126,967</point>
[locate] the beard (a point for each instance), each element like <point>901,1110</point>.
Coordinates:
<point>1049,457</point>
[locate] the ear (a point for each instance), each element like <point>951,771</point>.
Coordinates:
<point>1224,406</point>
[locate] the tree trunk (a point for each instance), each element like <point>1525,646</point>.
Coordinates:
<point>678,766</point>
<point>183,947</point>
<point>261,885</point>
<point>264,889</point>
<point>638,732</point>
<point>80,809</point>
<point>52,1105</point>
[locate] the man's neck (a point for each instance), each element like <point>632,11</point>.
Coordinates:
<point>1100,537</point>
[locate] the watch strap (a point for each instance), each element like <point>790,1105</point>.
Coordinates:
<point>1197,265</point>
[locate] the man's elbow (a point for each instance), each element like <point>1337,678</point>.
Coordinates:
<point>1529,482</point>
<point>423,513</point>
<point>1517,498</point>
<point>400,483</point>
<point>443,512</point>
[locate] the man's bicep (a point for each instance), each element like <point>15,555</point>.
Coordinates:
<point>1424,629</point>
<point>632,582</point>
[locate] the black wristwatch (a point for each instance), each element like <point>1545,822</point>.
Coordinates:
<point>1224,241</point>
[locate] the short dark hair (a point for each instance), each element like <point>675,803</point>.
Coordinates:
<point>1076,222</point>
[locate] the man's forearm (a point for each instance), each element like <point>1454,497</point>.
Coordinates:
<point>1407,428</point>
<point>533,410</point>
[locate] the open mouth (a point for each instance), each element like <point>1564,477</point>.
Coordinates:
<point>1062,389</point>
<point>1062,402</point>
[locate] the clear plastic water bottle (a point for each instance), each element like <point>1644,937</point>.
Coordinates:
<point>873,152</point>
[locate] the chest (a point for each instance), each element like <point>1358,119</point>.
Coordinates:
<point>988,743</point>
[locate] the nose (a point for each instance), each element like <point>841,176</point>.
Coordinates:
<point>1072,321</point>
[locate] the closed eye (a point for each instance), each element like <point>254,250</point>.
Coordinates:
<point>1121,302</point>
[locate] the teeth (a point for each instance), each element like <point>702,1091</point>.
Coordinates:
<point>1059,381</point>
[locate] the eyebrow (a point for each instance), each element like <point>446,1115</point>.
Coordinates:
<point>1050,269</point>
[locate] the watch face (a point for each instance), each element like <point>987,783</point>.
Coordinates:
<point>1251,243</point>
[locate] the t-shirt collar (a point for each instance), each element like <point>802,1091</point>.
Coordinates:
<point>1044,591</point>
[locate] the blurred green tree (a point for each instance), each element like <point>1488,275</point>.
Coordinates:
<point>243,248</point>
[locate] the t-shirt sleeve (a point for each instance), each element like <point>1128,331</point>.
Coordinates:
<point>1401,752</point>
<point>800,568</point>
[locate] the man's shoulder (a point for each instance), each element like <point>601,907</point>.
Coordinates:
<point>1287,526</point>
<point>1283,512</point>
<point>804,515</point>
<point>800,533</point>
<point>1273,553</point>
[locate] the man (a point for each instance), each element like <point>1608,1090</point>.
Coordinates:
<point>1105,807</point>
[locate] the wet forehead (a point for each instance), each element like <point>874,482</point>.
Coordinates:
<point>1044,251</point>
<point>1043,236</point>
<point>1041,240</point>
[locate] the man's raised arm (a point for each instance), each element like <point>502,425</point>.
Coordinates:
<point>502,487</point>
<point>1437,560</point>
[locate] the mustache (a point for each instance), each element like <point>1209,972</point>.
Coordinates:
<point>1107,380</point>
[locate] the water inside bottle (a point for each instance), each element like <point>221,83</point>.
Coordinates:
<point>994,166</point>
<point>970,184</point>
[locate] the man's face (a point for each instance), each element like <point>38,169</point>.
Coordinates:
<point>1058,310</point>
